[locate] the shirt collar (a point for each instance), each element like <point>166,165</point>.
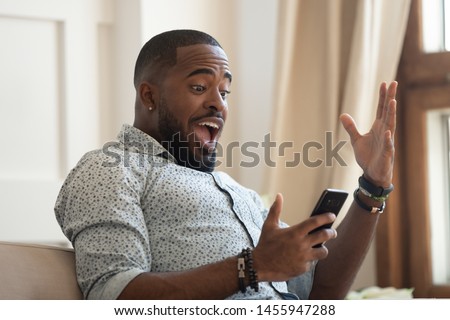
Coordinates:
<point>138,141</point>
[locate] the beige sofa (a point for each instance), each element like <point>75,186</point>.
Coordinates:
<point>30,271</point>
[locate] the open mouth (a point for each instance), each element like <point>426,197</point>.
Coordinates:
<point>207,132</point>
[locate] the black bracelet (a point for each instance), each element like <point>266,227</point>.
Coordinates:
<point>245,262</point>
<point>365,206</point>
<point>253,275</point>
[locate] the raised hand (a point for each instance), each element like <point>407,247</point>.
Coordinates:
<point>374,151</point>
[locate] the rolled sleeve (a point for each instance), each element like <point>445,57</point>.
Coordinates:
<point>99,211</point>
<point>111,289</point>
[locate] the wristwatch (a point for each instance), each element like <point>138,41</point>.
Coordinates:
<point>372,191</point>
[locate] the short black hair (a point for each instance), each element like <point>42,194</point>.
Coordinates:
<point>160,52</point>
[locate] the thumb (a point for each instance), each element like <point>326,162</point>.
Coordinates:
<point>273,218</point>
<point>350,126</point>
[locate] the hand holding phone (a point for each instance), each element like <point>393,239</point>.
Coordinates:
<point>331,200</point>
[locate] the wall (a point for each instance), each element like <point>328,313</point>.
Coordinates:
<point>245,29</point>
<point>48,106</point>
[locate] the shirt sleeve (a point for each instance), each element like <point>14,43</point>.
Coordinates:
<point>99,211</point>
<point>302,284</point>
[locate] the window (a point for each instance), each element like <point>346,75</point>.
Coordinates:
<point>436,25</point>
<point>413,239</point>
<point>438,134</point>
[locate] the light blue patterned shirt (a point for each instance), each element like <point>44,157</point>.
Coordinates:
<point>129,208</point>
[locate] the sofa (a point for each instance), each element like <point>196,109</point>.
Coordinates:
<point>31,271</point>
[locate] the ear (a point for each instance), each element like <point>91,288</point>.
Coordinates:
<point>148,95</point>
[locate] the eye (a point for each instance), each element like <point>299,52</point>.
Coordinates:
<point>224,94</point>
<point>198,88</point>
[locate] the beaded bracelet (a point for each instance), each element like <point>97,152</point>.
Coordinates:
<point>245,261</point>
<point>252,272</point>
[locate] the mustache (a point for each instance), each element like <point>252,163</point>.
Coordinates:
<point>213,114</point>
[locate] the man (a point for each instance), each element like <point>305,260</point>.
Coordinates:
<point>149,219</point>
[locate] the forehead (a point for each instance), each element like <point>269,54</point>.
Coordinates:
<point>200,56</point>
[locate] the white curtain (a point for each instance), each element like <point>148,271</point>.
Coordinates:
<point>332,57</point>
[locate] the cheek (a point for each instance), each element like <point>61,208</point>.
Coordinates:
<point>183,102</point>
<point>225,113</point>
<point>179,109</point>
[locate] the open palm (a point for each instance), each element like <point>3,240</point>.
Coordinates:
<point>374,151</point>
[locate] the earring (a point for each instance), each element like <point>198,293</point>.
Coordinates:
<point>150,108</point>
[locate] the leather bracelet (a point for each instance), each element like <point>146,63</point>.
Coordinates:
<point>365,206</point>
<point>241,274</point>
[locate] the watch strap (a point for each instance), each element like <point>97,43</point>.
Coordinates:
<point>373,191</point>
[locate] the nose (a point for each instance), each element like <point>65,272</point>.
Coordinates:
<point>216,102</point>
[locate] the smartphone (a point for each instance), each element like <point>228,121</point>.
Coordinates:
<point>331,200</point>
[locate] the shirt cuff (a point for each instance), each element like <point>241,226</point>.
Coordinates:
<point>111,289</point>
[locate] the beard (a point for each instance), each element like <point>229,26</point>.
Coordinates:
<point>177,143</point>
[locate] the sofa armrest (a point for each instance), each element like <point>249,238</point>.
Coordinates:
<point>30,271</point>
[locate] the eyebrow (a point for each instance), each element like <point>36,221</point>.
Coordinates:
<point>210,72</point>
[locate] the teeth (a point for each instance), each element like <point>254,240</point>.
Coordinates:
<point>209,124</point>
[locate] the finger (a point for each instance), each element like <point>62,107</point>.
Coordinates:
<point>391,93</point>
<point>314,222</point>
<point>322,236</point>
<point>273,217</point>
<point>381,100</point>
<point>388,142</point>
<point>320,252</point>
<point>350,126</point>
<point>391,116</point>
